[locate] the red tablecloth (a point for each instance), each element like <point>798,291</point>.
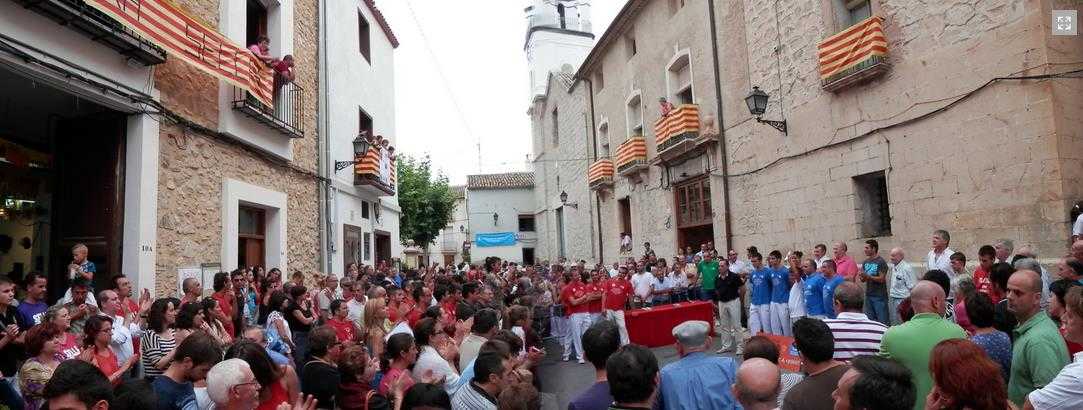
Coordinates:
<point>653,327</point>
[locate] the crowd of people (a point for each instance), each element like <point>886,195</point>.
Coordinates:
<point>870,335</point>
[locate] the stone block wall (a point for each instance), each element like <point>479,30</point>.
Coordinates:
<point>193,167</point>
<point>563,167</point>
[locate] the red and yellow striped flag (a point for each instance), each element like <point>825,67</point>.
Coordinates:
<point>852,47</point>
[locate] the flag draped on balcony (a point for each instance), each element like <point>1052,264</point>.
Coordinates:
<point>170,27</point>
<point>847,51</point>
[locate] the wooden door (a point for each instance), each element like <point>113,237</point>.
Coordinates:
<point>88,197</point>
<point>251,236</point>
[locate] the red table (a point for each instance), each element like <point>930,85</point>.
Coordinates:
<point>653,327</point>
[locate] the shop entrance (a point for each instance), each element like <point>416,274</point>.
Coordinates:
<point>61,182</point>
<point>383,247</point>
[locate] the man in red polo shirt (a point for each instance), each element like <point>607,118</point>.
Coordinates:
<point>596,288</point>
<point>986,257</point>
<point>615,300</point>
<point>575,298</point>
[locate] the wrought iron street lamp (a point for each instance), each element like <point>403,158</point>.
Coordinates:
<point>757,105</point>
<point>564,200</point>
<point>360,147</point>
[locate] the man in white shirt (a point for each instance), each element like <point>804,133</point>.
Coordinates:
<point>641,285</point>
<point>902,280</point>
<point>940,256</point>
<point>356,305</point>
<point>1077,227</point>
<point>819,254</point>
<point>736,265</point>
<point>124,326</point>
<point>1003,248</point>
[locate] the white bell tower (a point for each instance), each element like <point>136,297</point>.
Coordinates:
<point>558,36</point>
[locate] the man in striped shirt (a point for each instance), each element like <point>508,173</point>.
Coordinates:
<point>855,335</point>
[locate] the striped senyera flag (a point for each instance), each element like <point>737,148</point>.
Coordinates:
<point>852,47</point>
<point>170,27</point>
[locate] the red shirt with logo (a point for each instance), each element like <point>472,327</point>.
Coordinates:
<point>571,291</point>
<point>617,292</point>
<point>594,306</point>
<point>985,285</point>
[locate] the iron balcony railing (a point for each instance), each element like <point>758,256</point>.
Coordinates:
<point>286,115</point>
<point>99,27</point>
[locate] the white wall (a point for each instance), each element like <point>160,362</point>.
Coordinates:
<point>141,172</point>
<point>450,240</point>
<point>357,84</point>
<point>509,204</point>
<point>549,51</point>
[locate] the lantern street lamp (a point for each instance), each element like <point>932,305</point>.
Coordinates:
<point>496,218</point>
<point>360,147</point>
<point>757,105</point>
<point>564,200</point>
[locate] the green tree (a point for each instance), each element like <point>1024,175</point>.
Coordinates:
<point>425,199</point>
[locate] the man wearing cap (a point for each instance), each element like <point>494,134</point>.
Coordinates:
<point>697,380</point>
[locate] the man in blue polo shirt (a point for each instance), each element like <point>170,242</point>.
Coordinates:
<point>814,290</point>
<point>759,310</point>
<point>831,281</point>
<point>780,294</point>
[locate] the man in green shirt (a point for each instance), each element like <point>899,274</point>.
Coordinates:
<point>1038,352</point>
<point>912,342</point>
<point>708,273</point>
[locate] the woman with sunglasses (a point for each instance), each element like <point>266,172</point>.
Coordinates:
<point>98,332</point>
<point>437,352</point>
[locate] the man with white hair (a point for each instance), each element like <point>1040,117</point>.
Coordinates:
<point>902,280</point>
<point>1004,248</point>
<point>758,384</point>
<point>696,380</point>
<point>231,385</point>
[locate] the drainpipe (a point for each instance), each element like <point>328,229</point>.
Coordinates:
<point>597,196</point>
<point>324,147</point>
<point>721,129</point>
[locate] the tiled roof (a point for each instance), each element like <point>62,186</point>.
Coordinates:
<point>500,181</point>
<point>458,191</point>
<point>383,23</point>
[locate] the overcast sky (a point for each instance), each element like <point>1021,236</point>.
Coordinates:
<point>461,76</point>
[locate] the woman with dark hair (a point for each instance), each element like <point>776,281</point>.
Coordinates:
<point>211,324</point>
<point>42,344</point>
<point>158,343</point>
<point>964,378</point>
<point>267,287</point>
<point>400,353</point>
<point>98,332</point>
<point>436,354</point>
<point>301,315</point>
<point>1057,291</point>
<point>279,337</point>
<point>425,396</point>
<point>190,319</point>
<point>278,384</point>
<point>320,376</point>
<point>996,344</point>
<point>345,328</point>
<point>355,391</point>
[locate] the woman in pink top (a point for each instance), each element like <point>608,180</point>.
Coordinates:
<point>399,354</point>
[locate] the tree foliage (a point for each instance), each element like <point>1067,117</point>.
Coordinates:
<point>425,199</point>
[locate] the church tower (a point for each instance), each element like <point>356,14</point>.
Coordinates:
<point>558,38</point>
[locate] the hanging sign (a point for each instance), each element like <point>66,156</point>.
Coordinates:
<point>183,36</point>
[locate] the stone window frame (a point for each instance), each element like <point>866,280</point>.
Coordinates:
<point>835,11</point>
<point>603,137</point>
<point>236,193</point>
<point>684,55</point>
<point>630,125</point>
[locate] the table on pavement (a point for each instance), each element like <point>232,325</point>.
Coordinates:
<point>653,326</point>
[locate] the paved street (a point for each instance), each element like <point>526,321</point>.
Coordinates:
<point>562,381</point>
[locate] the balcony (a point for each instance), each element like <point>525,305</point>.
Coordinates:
<point>99,27</point>
<point>853,56</point>
<point>377,171</point>
<point>286,116</point>
<point>600,174</point>
<point>632,156</point>
<point>678,135</point>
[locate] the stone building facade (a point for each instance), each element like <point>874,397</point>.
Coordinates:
<point>563,151</point>
<point>917,142</point>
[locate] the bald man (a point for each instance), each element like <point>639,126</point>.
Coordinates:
<point>900,281</point>
<point>1038,352</point>
<point>844,264</point>
<point>758,384</point>
<point>911,343</point>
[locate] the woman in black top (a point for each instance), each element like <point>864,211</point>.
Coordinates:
<point>320,376</point>
<point>301,317</point>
